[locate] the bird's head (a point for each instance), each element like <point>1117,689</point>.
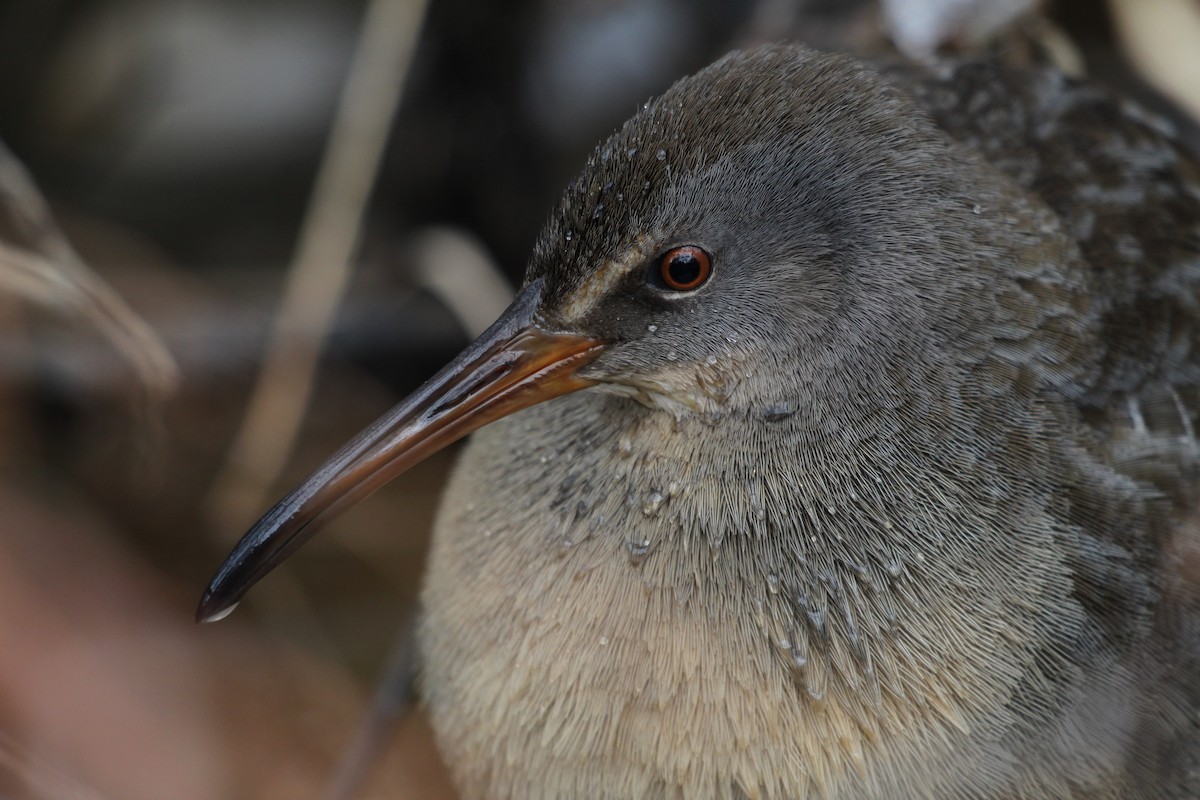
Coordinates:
<point>765,239</point>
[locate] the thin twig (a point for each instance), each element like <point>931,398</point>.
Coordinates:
<point>1160,37</point>
<point>320,269</point>
<point>459,271</point>
<point>53,275</point>
<point>391,702</point>
<point>38,780</point>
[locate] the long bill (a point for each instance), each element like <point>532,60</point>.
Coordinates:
<point>514,364</point>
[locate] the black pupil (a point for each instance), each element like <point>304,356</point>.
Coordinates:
<point>684,268</point>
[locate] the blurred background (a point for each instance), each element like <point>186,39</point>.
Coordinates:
<point>232,233</point>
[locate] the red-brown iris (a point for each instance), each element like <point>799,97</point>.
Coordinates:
<point>685,268</point>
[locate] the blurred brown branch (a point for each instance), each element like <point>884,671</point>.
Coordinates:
<point>39,781</point>
<point>50,273</point>
<point>1162,39</point>
<point>321,267</point>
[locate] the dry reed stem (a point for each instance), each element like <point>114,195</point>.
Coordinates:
<point>51,274</point>
<point>1162,39</point>
<point>320,270</point>
<point>36,780</point>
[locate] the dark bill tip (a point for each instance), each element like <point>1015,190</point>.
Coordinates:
<point>515,364</point>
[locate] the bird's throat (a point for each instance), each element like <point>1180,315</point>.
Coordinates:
<point>660,555</point>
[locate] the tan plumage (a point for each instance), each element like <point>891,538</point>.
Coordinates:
<point>883,509</point>
<point>949,587</point>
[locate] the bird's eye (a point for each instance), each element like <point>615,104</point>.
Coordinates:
<point>683,269</point>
